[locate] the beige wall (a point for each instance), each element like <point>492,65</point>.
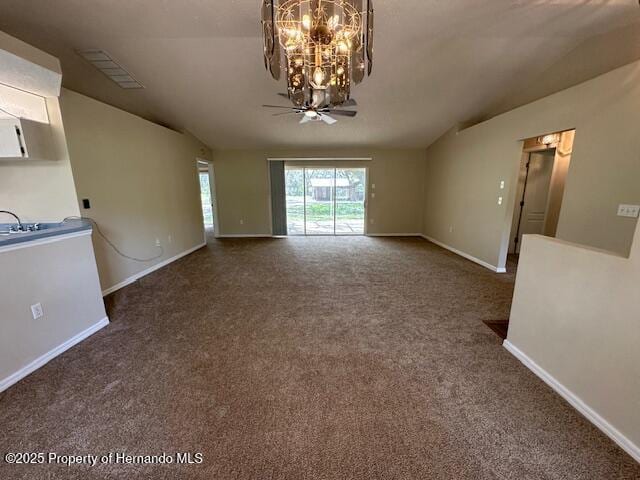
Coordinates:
<point>576,315</point>
<point>141,179</point>
<point>464,169</point>
<point>242,188</point>
<point>62,277</point>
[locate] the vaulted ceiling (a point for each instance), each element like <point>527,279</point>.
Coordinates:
<point>438,63</point>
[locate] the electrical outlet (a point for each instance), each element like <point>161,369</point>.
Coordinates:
<point>170,238</point>
<point>241,222</point>
<point>372,221</point>
<point>450,228</point>
<point>373,186</point>
<point>501,184</point>
<point>373,194</point>
<point>36,311</point>
<point>157,242</point>
<point>631,211</point>
<point>499,200</point>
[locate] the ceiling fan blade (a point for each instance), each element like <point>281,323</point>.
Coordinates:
<point>276,106</point>
<point>327,119</point>
<point>305,119</point>
<point>344,113</point>
<point>350,103</point>
<point>283,113</point>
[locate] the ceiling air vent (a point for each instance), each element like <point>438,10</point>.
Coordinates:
<point>107,65</point>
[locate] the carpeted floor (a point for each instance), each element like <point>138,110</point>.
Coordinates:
<point>306,358</point>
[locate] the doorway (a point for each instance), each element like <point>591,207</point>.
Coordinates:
<point>541,184</point>
<point>206,195</point>
<point>325,200</point>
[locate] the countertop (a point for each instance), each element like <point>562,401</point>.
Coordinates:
<point>47,230</point>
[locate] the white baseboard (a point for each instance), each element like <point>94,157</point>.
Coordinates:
<point>42,360</point>
<point>394,234</point>
<point>246,235</point>
<point>576,402</point>
<point>149,270</point>
<point>493,268</point>
<point>265,235</point>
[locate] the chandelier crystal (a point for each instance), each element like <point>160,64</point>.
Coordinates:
<point>323,47</point>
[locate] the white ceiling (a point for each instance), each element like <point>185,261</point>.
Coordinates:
<point>438,62</point>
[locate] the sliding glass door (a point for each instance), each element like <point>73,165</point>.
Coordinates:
<point>319,201</point>
<point>325,201</point>
<point>350,200</point>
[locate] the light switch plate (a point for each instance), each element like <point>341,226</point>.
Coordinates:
<point>631,211</point>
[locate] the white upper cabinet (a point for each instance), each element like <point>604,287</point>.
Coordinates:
<point>22,139</point>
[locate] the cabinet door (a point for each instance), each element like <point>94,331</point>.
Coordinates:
<point>9,140</point>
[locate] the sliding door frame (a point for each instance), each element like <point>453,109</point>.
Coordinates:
<point>327,160</point>
<point>334,201</point>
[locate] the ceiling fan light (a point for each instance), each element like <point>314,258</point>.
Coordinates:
<point>311,114</point>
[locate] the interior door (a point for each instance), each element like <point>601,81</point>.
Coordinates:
<point>536,194</point>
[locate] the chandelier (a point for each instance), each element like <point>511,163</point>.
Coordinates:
<point>323,47</point>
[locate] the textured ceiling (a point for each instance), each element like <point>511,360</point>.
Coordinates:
<point>438,63</point>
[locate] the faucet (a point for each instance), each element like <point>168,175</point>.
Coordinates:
<point>20,227</point>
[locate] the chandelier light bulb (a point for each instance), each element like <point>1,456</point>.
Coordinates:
<point>306,22</point>
<point>318,76</point>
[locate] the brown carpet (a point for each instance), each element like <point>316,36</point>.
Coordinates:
<point>306,358</point>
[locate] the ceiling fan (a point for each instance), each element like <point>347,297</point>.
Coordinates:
<point>316,113</point>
